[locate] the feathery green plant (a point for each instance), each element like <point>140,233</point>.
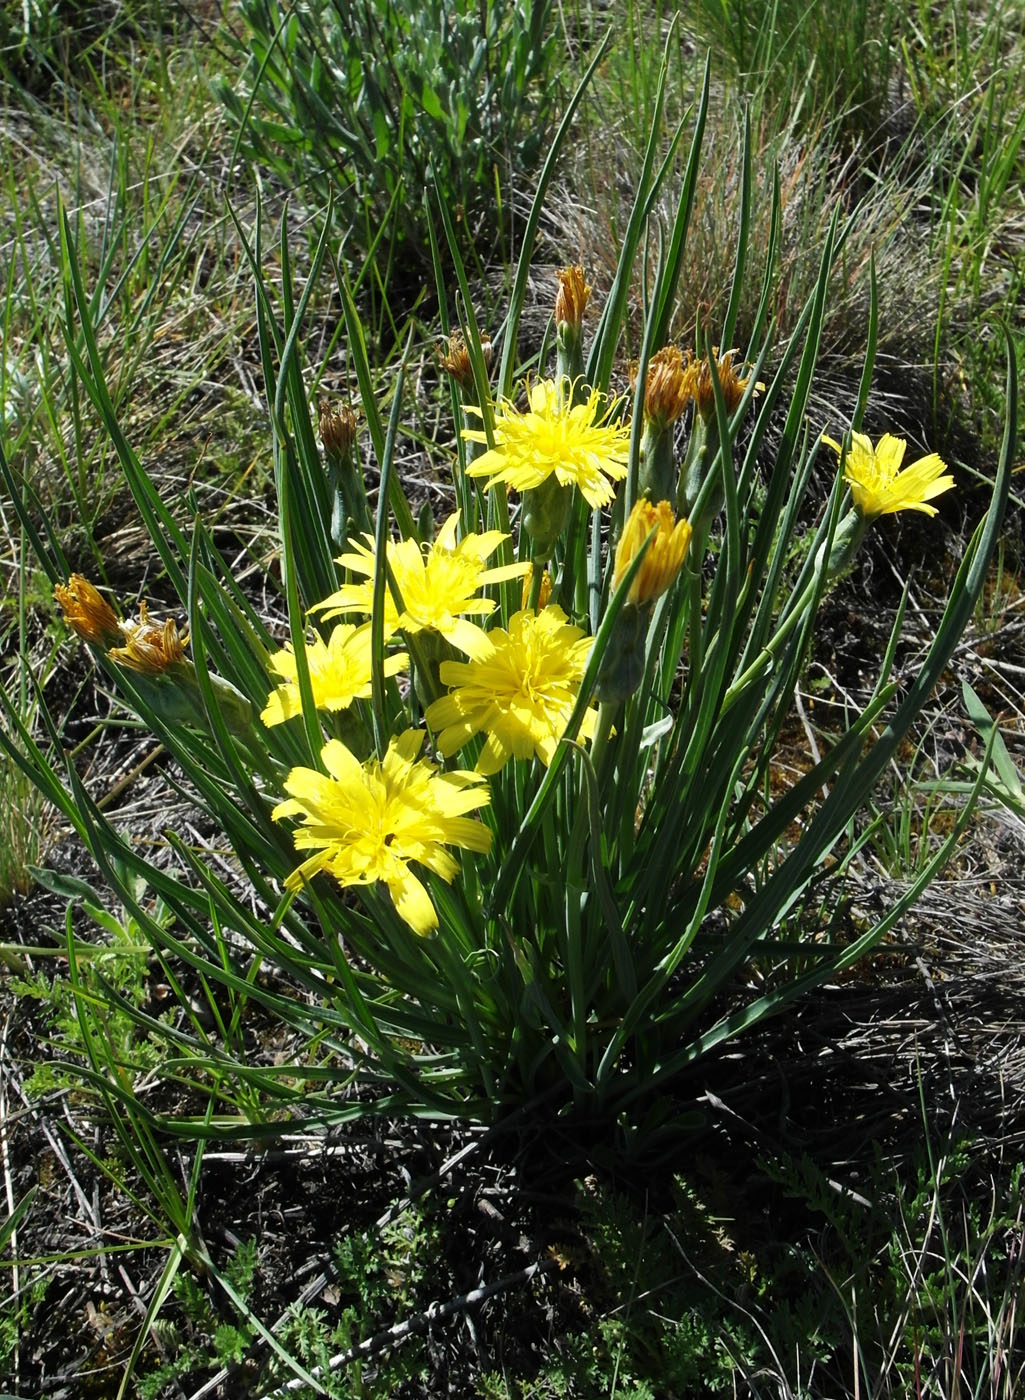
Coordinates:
<point>371,104</point>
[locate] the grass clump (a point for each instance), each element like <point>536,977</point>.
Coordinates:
<point>927,161</point>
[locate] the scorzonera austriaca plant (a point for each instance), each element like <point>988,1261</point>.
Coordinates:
<point>505,796</point>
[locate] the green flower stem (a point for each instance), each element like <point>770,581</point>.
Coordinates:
<point>692,472</point>
<point>608,713</point>
<point>575,974</point>
<point>695,620</point>
<point>772,648</point>
<point>569,361</point>
<point>350,514</point>
<point>828,567</point>
<point>576,875</point>
<point>426,665</point>
<point>175,696</point>
<point>580,890</point>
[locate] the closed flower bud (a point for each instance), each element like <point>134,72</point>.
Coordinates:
<point>846,539</point>
<point>622,665</point>
<point>664,556</point>
<point>88,613</point>
<point>571,299</point>
<point>545,514</point>
<point>570,305</point>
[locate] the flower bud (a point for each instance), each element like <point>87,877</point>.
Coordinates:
<point>664,556</point>
<point>570,304</point>
<point>546,511</point>
<point>88,613</point>
<point>622,665</point>
<point>846,539</point>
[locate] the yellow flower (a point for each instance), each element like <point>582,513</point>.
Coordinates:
<point>366,822</point>
<point>88,613</point>
<point>339,673</point>
<point>150,648</point>
<point>577,442</point>
<point>438,584</point>
<point>520,692</point>
<point>878,484</point>
<point>664,555</point>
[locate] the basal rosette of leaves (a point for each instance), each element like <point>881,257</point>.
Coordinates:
<point>515,845</point>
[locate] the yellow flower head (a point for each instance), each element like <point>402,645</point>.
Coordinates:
<point>520,693</point>
<point>150,647</point>
<point>669,386</point>
<point>572,297</point>
<point>366,822</point>
<point>664,555</point>
<point>878,484</point>
<point>438,584</point>
<point>339,673</point>
<point>88,613</point>
<point>578,442</point>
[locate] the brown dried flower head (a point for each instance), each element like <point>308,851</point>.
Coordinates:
<point>732,386</point>
<point>150,647</point>
<point>338,429</point>
<point>88,613</point>
<point>572,297</point>
<point>456,361</point>
<point>669,386</point>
